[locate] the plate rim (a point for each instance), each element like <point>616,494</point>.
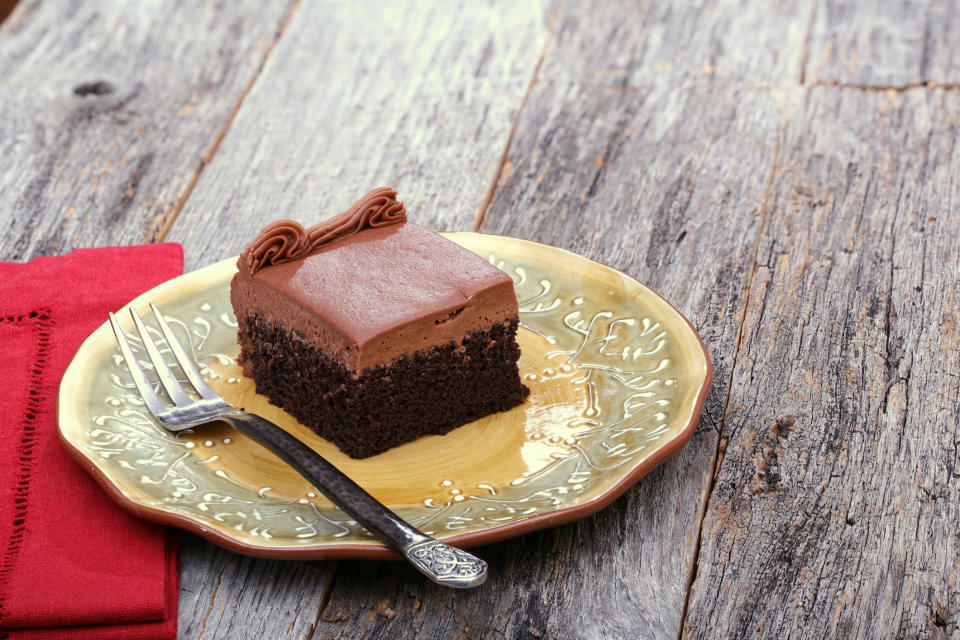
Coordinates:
<point>375,550</point>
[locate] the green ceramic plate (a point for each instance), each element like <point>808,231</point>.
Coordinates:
<point>617,376</point>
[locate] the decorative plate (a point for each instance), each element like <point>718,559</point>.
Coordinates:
<point>617,378</point>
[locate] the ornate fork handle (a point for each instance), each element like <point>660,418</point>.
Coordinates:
<point>440,562</point>
<point>455,567</point>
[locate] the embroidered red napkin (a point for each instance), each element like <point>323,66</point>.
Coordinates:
<point>72,563</point>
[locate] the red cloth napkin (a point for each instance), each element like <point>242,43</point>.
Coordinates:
<point>73,564</point>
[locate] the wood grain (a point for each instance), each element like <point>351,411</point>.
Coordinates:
<point>836,505</point>
<point>362,95</point>
<point>227,595</point>
<point>108,112</point>
<point>628,45</point>
<point>885,44</point>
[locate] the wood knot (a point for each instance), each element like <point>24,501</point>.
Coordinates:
<point>768,471</point>
<point>940,620</point>
<point>783,426</point>
<point>98,88</point>
<point>766,456</point>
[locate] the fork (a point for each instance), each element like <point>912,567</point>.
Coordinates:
<point>440,562</point>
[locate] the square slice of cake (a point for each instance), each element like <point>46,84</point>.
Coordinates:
<point>374,331</point>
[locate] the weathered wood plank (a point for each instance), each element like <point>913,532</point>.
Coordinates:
<point>107,112</point>
<point>353,96</point>
<point>837,503</point>
<point>226,595</point>
<point>667,183</point>
<point>626,44</point>
<point>417,97</point>
<point>885,44</point>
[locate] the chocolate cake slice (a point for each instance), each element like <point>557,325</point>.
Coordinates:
<point>374,331</point>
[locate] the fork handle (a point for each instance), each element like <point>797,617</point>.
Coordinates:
<point>440,562</point>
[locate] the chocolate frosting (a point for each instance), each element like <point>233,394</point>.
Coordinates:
<point>377,295</point>
<point>286,240</point>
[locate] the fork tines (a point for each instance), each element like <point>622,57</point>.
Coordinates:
<point>170,383</point>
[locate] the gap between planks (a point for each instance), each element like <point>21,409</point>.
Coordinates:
<point>170,217</point>
<point>484,209</point>
<point>805,47</point>
<point>213,600</point>
<point>324,601</point>
<point>929,85</point>
<point>720,448</point>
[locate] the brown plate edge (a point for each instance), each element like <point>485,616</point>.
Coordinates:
<point>377,551</point>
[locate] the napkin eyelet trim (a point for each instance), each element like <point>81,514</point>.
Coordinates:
<point>42,321</point>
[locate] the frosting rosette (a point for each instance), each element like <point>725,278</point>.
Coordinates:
<point>376,209</point>
<point>286,240</point>
<point>277,242</point>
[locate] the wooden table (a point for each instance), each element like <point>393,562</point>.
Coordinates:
<point>784,173</point>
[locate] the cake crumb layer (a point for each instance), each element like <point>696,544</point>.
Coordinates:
<point>430,391</point>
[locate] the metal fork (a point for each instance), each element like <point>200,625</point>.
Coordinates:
<point>440,562</point>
